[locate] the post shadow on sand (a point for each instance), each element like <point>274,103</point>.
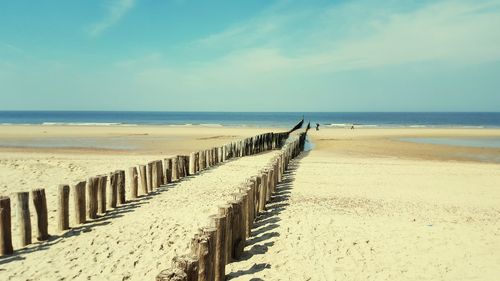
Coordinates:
<point>102,220</point>
<point>266,223</point>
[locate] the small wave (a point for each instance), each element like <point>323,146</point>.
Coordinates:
<point>365,126</point>
<point>180,125</point>
<point>211,125</point>
<point>473,127</point>
<point>417,126</point>
<point>338,125</point>
<point>78,124</point>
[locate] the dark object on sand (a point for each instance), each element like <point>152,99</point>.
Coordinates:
<point>317,126</point>
<point>352,127</point>
<point>308,126</point>
<point>298,126</point>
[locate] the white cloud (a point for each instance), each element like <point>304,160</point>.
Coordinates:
<point>451,32</point>
<point>116,10</point>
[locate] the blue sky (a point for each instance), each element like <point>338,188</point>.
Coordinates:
<point>250,55</point>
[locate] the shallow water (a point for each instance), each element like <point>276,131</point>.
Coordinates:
<point>62,142</point>
<point>485,142</point>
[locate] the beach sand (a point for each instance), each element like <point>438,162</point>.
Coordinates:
<point>360,206</point>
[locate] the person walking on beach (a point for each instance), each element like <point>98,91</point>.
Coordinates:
<point>317,126</point>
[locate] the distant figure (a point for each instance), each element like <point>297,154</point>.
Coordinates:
<point>317,126</point>
<point>352,127</point>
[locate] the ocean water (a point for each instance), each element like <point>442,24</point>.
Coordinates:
<point>259,119</point>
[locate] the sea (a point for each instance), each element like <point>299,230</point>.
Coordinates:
<point>254,119</point>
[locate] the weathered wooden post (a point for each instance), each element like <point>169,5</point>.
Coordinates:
<point>196,161</point>
<point>91,189</point>
<point>199,158</point>
<point>101,194</point>
<point>132,171</point>
<point>247,210</point>
<point>184,268</point>
<point>211,233</point>
<point>237,242</point>
<point>185,165</point>
<point>262,192</point>
<point>144,185</point>
<point>175,168</point>
<point>112,190</point>
<point>187,264</point>
<point>40,203</point>
<point>204,260</point>
<point>79,202</point>
<point>219,223</point>
<point>168,169</point>
<point>161,175</point>
<point>5,227</point>
<point>173,274</point>
<point>150,176</point>
<point>23,218</point>
<point>269,184</point>
<point>226,210</point>
<point>154,175</point>
<point>121,187</point>
<point>63,207</point>
<point>242,196</point>
<point>192,159</point>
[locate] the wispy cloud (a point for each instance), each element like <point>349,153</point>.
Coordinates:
<point>354,35</point>
<point>11,48</point>
<point>277,54</point>
<point>116,10</point>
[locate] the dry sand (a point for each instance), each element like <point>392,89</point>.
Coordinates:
<point>358,212</point>
<point>135,241</point>
<point>360,206</point>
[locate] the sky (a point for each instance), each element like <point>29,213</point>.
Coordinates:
<point>259,55</point>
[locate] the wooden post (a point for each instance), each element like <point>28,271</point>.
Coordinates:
<point>243,197</point>
<point>237,243</point>
<point>150,176</point>
<point>161,176</point>
<point>219,223</point>
<point>40,203</point>
<point>112,190</point>
<point>269,184</point>
<point>92,198</point>
<point>23,218</point>
<point>132,171</point>
<point>79,202</point>
<point>188,265</point>
<point>175,169</point>
<point>173,274</point>
<point>226,210</point>
<point>101,194</point>
<point>5,227</point>
<point>207,158</point>
<point>211,233</point>
<point>122,199</point>
<point>196,162</point>
<point>192,168</point>
<point>247,210</point>
<point>154,175</point>
<point>262,192</point>
<point>185,166</point>
<point>168,170</point>
<point>63,207</point>
<point>144,185</point>
<point>203,260</point>
<point>183,268</point>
